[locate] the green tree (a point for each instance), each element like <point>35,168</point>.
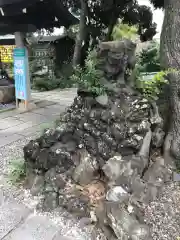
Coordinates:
<point>149,58</point>
<point>121,31</point>
<point>169,56</point>
<point>94,20</point>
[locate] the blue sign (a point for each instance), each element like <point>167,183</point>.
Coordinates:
<point>21,73</point>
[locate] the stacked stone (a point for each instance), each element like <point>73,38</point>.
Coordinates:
<point>105,138</point>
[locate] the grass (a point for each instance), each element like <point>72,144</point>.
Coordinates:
<point>16,171</point>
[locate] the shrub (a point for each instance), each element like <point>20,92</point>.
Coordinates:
<point>152,88</point>
<point>66,70</point>
<point>45,83</point>
<point>148,60</point>
<point>65,73</point>
<point>16,171</point>
<point>121,31</point>
<point>88,78</point>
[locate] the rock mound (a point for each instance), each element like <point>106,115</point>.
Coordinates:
<point>97,161</point>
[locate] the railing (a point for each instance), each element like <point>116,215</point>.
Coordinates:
<point>147,76</point>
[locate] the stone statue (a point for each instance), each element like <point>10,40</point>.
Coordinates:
<point>102,145</point>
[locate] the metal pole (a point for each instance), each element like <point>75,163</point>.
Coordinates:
<point>19,39</point>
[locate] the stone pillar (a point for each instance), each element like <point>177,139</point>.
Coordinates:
<point>23,102</point>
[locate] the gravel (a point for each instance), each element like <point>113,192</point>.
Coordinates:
<point>162,215</point>
<point>68,225</point>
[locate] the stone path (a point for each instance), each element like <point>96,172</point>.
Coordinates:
<point>17,221</point>
<point>15,125</point>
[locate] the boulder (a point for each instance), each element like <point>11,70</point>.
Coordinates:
<point>7,94</point>
<point>96,161</point>
<point>87,170</point>
<point>117,194</point>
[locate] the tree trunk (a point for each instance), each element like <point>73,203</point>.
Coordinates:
<point>85,48</point>
<point>81,35</point>
<point>170,58</point>
<point>110,29</point>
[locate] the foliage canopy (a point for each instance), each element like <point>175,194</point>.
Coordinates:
<point>121,31</point>
<point>149,58</point>
<point>129,11</point>
<point>157,3</point>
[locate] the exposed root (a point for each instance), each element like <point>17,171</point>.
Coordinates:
<point>156,119</point>
<point>168,158</point>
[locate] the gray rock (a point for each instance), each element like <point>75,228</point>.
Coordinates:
<point>126,226</point>
<point>71,146</point>
<point>99,234</point>
<point>85,221</point>
<point>140,232</point>
<point>86,171</point>
<point>157,173</point>
<point>102,138</point>
<point>55,179</point>
<point>115,167</point>
<point>117,194</point>
<point>50,201</point>
<point>143,127</point>
<point>74,204</point>
<point>158,137</point>
<point>152,192</point>
<point>137,187</point>
<point>103,99</point>
<point>91,145</point>
<point>38,185</point>
<point>7,94</point>
<point>104,149</point>
<point>121,222</point>
<point>119,131</point>
<point>60,157</point>
<point>57,146</point>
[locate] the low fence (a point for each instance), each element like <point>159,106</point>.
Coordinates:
<point>147,76</point>
<point>40,62</point>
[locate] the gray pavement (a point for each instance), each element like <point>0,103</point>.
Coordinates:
<point>15,125</point>
<point>16,220</point>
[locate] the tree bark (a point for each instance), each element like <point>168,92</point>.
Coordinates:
<point>170,58</point>
<point>81,35</point>
<point>85,48</point>
<point>110,28</point>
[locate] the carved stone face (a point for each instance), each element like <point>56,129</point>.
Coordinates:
<point>116,57</point>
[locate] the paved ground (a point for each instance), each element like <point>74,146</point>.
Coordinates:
<point>15,125</point>
<point>17,221</point>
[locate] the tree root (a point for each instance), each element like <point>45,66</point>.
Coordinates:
<point>156,119</point>
<point>168,157</point>
<point>145,148</point>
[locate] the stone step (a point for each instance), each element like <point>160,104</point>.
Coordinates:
<point>12,214</point>
<point>36,228</point>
